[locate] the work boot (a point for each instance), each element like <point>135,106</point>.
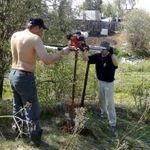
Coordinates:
<point>113,128</point>
<point>36,139</point>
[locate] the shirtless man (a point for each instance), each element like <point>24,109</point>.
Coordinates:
<point>26,46</point>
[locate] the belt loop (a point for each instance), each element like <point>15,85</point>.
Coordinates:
<point>14,71</point>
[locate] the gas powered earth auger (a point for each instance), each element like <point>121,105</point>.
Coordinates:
<point>76,43</point>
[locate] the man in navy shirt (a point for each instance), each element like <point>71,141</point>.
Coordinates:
<point>105,64</point>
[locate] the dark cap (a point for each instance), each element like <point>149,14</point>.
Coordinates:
<point>39,22</point>
<point>105,45</point>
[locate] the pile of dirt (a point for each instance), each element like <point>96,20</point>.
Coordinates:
<point>114,39</point>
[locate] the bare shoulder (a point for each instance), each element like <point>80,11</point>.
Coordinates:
<point>36,40</point>
<point>15,34</point>
<point>36,37</point>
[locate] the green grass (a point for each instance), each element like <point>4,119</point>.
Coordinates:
<point>133,132</point>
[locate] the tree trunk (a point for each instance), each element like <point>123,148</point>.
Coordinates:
<point>1,86</point>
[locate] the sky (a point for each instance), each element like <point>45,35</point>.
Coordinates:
<point>143,4</point>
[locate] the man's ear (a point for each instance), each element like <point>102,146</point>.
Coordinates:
<point>37,27</point>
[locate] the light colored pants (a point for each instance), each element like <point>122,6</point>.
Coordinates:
<point>106,100</point>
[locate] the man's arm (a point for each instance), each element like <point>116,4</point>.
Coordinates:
<point>113,57</point>
<point>114,60</point>
<point>84,56</point>
<point>46,57</point>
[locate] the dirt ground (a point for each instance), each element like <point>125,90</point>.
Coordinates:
<point>114,39</point>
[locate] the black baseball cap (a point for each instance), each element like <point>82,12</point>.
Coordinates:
<point>38,22</point>
<point>105,45</point>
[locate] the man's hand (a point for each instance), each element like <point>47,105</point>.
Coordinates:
<point>84,48</point>
<point>66,51</point>
<point>111,51</point>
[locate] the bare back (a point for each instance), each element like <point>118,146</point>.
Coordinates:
<point>23,51</point>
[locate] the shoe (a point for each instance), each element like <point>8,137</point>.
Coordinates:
<point>113,128</point>
<point>36,139</point>
<point>103,116</point>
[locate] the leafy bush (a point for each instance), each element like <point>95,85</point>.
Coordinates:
<point>132,82</point>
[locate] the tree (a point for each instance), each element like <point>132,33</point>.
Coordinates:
<point>92,5</point>
<point>137,29</point>
<point>121,5</point>
<point>13,17</point>
<point>131,3</point>
<point>61,20</point>
<point>108,10</point>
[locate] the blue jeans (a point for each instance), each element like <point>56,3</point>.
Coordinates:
<point>24,92</point>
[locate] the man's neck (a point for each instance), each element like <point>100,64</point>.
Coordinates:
<point>105,55</point>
